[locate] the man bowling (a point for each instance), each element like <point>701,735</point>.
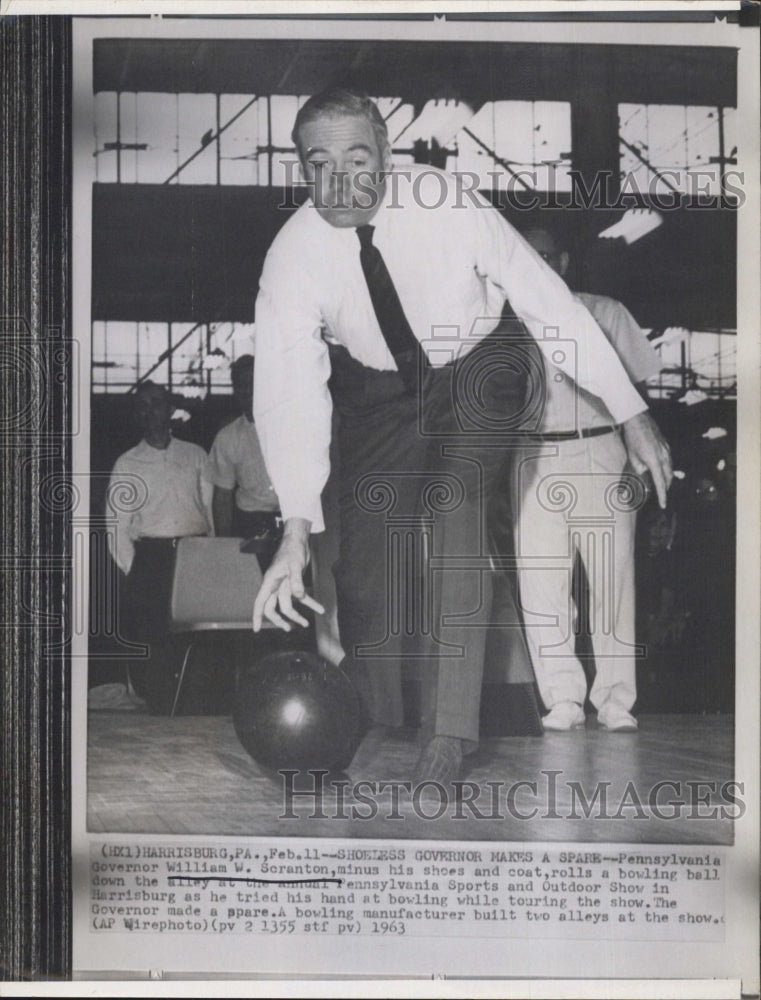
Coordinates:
<point>389,284</point>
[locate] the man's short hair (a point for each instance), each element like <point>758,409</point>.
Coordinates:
<point>242,367</point>
<point>339,102</point>
<point>149,386</point>
<point>546,229</point>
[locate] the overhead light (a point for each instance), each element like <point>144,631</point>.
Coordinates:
<point>693,396</point>
<point>214,359</point>
<point>633,225</point>
<point>189,390</point>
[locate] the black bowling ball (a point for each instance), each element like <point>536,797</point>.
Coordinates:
<point>296,710</point>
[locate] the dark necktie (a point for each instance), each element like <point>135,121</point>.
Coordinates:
<point>401,341</point>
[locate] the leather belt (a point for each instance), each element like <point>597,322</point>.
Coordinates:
<point>586,432</point>
<point>162,540</point>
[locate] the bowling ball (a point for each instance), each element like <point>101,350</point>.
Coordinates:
<point>296,710</point>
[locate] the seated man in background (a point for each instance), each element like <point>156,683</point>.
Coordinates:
<point>244,503</point>
<point>568,504</point>
<point>157,495</point>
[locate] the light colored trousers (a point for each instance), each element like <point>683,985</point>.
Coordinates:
<point>573,497</point>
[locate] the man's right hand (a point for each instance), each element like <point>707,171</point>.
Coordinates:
<point>648,451</point>
<point>284,580</point>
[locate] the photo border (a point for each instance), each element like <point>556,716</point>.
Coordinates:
<point>36,710</point>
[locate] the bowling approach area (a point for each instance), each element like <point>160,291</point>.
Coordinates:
<point>191,775</point>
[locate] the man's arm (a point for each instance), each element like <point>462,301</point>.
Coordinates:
<point>292,412</point>
<point>292,405</point>
<point>641,388</point>
<point>120,544</point>
<point>640,361</point>
<point>218,480</point>
<point>543,301</point>
<point>222,510</point>
<point>636,353</point>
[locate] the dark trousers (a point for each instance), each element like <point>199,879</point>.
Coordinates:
<point>144,618</point>
<point>418,474</point>
<point>147,591</point>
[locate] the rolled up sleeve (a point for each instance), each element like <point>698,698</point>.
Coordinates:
<point>120,543</point>
<point>551,314</point>
<point>292,405</point>
<point>219,469</point>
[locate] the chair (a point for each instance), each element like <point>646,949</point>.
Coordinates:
<point>213,589</point>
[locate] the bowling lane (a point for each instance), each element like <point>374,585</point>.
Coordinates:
<point>190,775</point>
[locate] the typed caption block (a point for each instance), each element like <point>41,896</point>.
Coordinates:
<point>637,893</point>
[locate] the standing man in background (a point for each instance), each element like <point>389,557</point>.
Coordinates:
<point>580,449</point>
<point>244,503</point>
<point>164,477</point>
<point>385,288</point>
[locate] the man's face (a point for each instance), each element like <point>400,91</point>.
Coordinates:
<point>545,246</point>
<point>153,409</point>
<point>344,164</point>
<point>243,391</point>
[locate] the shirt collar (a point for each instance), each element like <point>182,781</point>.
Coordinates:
<point>148,453</point>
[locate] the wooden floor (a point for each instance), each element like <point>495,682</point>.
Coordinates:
<point>190,775</point>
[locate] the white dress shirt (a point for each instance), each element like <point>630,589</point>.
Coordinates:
<point>448,252</point>
<point>236,462</point>
<point>157,493</point>
<point>567,408</point>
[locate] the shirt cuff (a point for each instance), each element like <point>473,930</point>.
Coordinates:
<point>626,405</point>
<point>124,557</point>
<point>305,510</point>
<point>220,481</point>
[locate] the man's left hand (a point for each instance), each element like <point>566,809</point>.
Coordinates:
<point>648,451</point>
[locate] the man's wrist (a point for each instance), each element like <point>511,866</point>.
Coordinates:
<point>298,529</point>
<point>625,409</point>
<point>637,417</point>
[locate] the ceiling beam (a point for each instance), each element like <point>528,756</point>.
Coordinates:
<point>472,71</point>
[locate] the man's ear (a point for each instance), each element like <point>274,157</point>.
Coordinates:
<point>564,259</point>
<point>386,157</point>
<point>301,174</point>
<point>300,171</point>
